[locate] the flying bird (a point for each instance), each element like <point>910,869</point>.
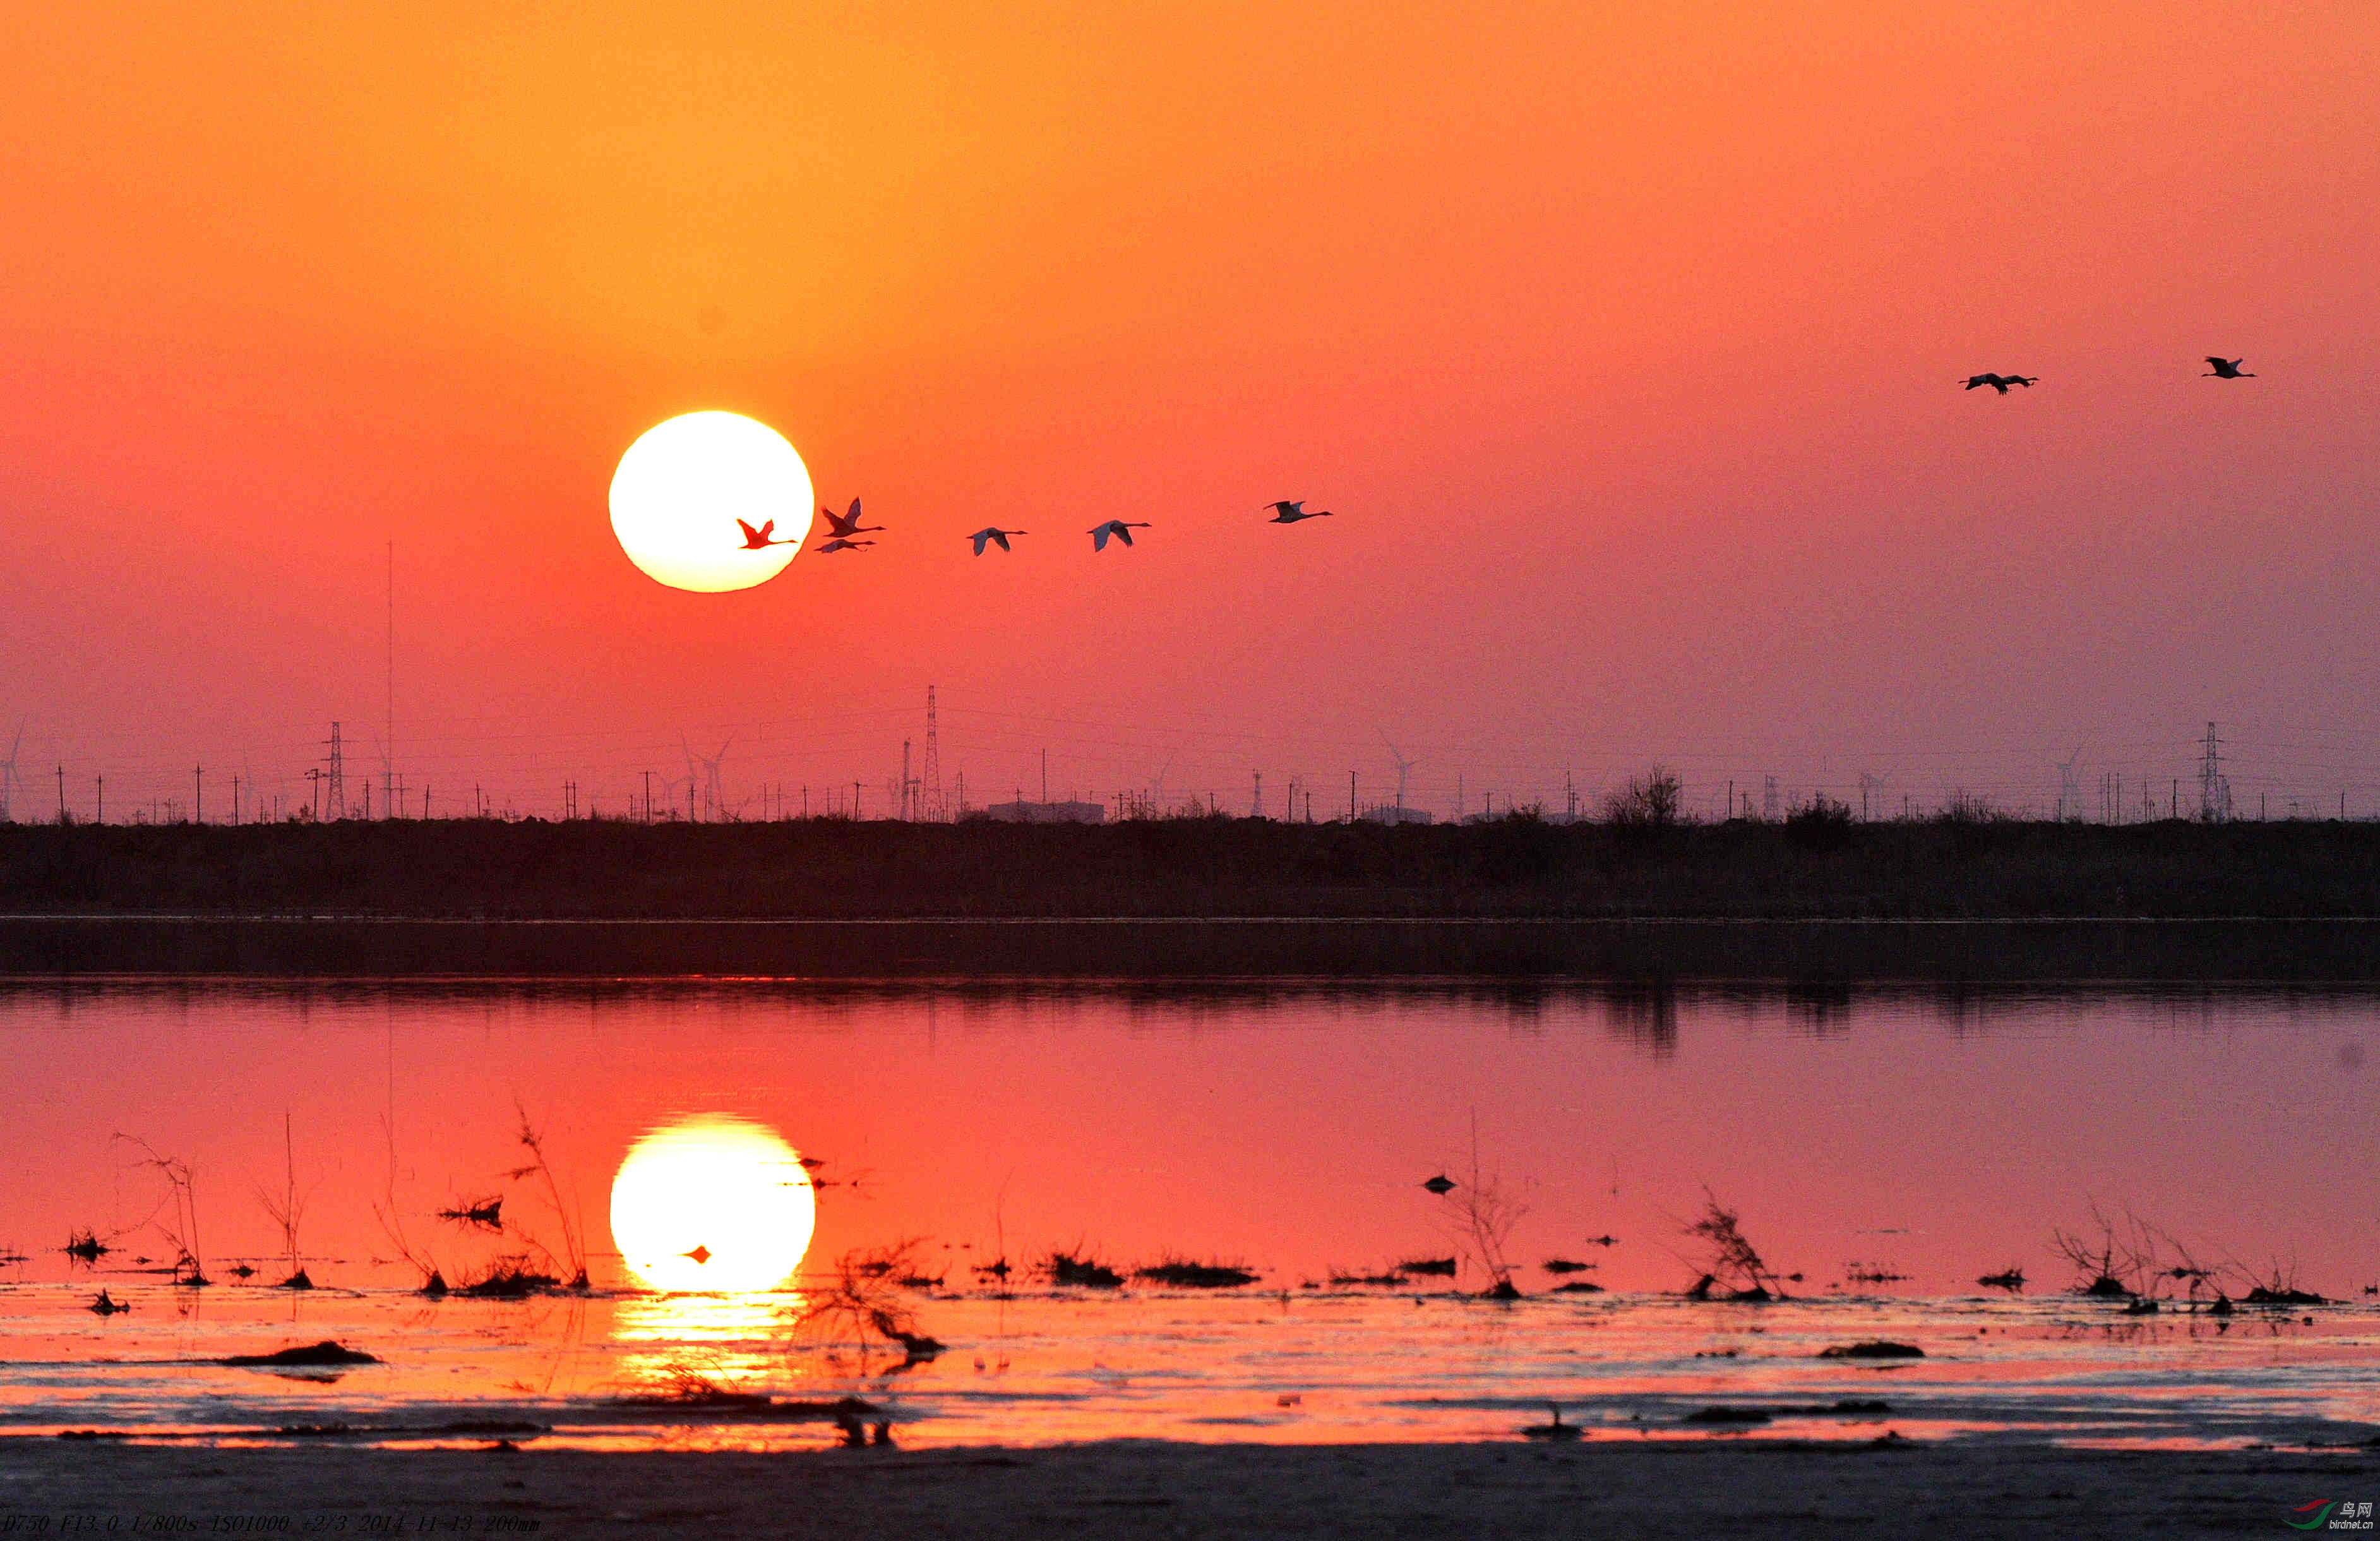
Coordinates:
<point>841,545</point>
<point>1116,528</point>
<point>1290,513</point>
<point>758,539</point>
<point>1441,1184</point>
<point>2000,382</point>
<point>995,535</point>
<point>2226,369</point>
<point>843,527</point>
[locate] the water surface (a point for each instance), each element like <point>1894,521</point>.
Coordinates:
<point>1929,1138</point>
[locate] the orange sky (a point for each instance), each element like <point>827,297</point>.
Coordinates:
<point>1625,339</point>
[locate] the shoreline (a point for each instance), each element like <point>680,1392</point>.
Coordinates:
<point>2195,951</point>
<point>1136,1488</point>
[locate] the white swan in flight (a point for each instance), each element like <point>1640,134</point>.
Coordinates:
<point>1290,513</point>
<point>992,535</point>
<point>1117,528</point>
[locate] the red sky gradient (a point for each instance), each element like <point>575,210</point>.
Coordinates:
<point>1625,340</point>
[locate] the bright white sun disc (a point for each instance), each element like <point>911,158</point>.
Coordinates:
<point>712,1202</point>
<point>682,487</point>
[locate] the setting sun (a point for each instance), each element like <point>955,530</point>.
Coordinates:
<point>711,502</point>
<point>712,1202</point>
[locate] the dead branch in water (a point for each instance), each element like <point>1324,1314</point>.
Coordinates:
<point>1731,1267</point>
<point>571,1261</point>
<point>181,1198</point>
<point>287,1208</point>
<point>865,1304</point>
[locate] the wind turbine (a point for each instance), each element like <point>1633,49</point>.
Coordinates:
<point>2069,785</point>
<point>1403,765</point>
<point>704,784</point>
<point>9,779</point>
<point>1158,785</point>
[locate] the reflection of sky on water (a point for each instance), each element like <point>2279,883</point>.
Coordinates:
<point>1937,1134</point>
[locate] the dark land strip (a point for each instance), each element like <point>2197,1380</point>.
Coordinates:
<point>1094,1492</point>
<point>1980,952</point>
<point>1963,900</point>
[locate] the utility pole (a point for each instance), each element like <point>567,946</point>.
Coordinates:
<point>102,786</point>
<point>1045,777</point>
<point>199,795</point>
<point>62,794</point>
<point>905,809</point>
<point>1256,803</point>
<point>1350,796</point>
<point>854,800</point>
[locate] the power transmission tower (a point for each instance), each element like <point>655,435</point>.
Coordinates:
<point>2069,786</point>
<point>334,778</point>
<point>1771,801</point>
<point>2214,791</point>
<point>936,808</point>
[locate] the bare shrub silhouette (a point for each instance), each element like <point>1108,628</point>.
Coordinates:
<point>2117,1266</point>
<point>1732,1267</point>
<point>288,1210</point>
<point>865,1304</point>
<point>176,1215</point>
<point>1655,800</point>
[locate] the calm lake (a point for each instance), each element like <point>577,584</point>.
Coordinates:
<point>1882,1151</point>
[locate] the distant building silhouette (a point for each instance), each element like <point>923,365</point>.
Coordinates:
<point>1022,812</point>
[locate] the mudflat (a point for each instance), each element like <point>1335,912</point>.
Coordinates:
<point>1510,1491</point>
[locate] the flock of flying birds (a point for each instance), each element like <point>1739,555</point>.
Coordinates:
<point>2225,368</point>
<point>843,529</point>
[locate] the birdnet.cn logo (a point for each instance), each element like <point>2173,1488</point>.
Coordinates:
<point>2330,1514</point>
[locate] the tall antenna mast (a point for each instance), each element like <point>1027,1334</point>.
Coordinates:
<point>935,808</point>
<point>388,748</point>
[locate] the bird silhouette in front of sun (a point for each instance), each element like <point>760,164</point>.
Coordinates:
<point>1117,528</point>
<point>1441,1184</point>
<point>1290,513</point>
<point>758,539</point>
<point>843,527</point>
<point>2000,382</point>
<point>2227,368</point>
<point>992,535</point>
<point>839,544</point>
